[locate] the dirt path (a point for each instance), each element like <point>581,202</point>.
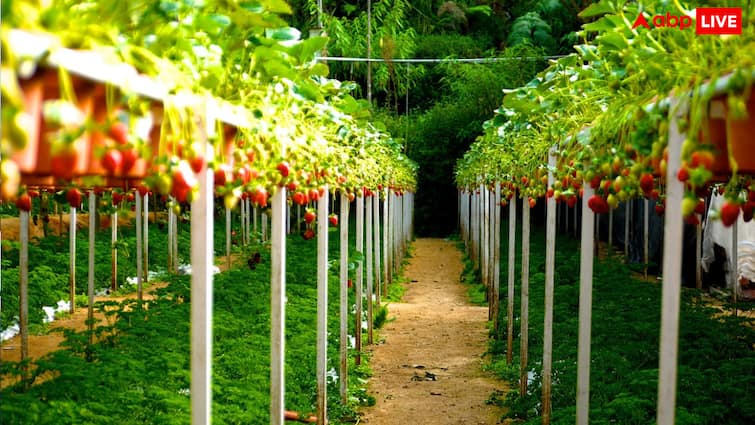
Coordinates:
<point>437,335</point>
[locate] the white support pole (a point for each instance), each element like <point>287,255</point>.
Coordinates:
<point>254,219</point>
<point>734,264</point>
<point>369,260</point>
<point>202,261</point>
<point>672,270</point>
<point>72,259</point>
<point>645,227</point>
<point>627,215</point>
<point>473,227</point>
<point>174,241</point>
<point>288,218</point>
<point>376,243</point>
<point>247,221</point>
<point>524,312</point>
<point>359,276</point>
<point>387,275</point>
<point>145,250</point>
<point>263,215</point>
<point>278,307</point>
<point>550,266</point>
<point>114,251</point>
<point>698,256</point>
<point>496,254</point>
<point>171,254</point>
<point>585,309</point>
<point>23,282</point>
<point>511,281</point>
<point>344,296</point>
<point>90,281</point>
<point>228,235</point>
<point>485,222</point>
<point>322,307</point>
<point>139,245</point>
<point>610,231</point>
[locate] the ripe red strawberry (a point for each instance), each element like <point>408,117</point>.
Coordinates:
<point>259,196</point>
<point>73,196</point>
<point>646,183</point>
<point>291,186</point>
<point>308,234</point>
<point>683,174</point>
<point>700,207</point>
<point>197,164</point>
<point>660,209</point>
<point>550,193</point>
<point>143,190</point>
<point>598,204</point>
<point>183,181</point>
<point>595,182</point>
<point>702,159</point>
<point>244,174</point>
<point>23,202</point>
<point>524,180</point>
<point>533,202</point>
<point>119,132</point>
<point>333,219</point>
<point>300,198</point>
<point>729,212</point>
<point>313,194</point>
<point>33,193</point>
<point>112,161</point>
<point>128,158</point>
<point>117,198</point>
<point>222,174</point>
<point>284,168</point>
<point>692,220</point>
<point>747,211</point>
<point>309,216</point>
<point>63,164</point>
<point>352,196</point>
<point>571,201</point>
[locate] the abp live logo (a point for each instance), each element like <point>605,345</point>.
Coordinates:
<point>708,20</point>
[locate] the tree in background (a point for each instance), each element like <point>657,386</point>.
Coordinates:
<point>447,104</point>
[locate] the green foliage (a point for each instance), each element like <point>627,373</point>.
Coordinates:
<point>531,28</point>
<point>716,361</point>
<point>139,368</point>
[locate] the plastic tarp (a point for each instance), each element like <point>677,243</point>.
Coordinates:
<point>714,233</point>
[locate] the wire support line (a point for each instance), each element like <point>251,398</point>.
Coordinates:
<point>431,60</point>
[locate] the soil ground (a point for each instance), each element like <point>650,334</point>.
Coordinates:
<point>428,360</point>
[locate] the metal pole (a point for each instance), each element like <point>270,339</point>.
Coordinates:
<point>376,241</point>
<point>139,246</point>
<point>369,260</point>
<point>672,268</point>
<point>114,252</point>
<point>278,307</point>
<point>202,259</point>
<point>359,276</point>
<point>23,281</point>
<point>496,253</point>
<point>585,309</point>
<point>369,51</point>
<point>72,258</point>
<point>511,279</point>
<point>550,265</point>
<point>344,296</point>
<point>145,251</point>
<point>322,307</point>
<point>90,282</point>
<point>524,333</point>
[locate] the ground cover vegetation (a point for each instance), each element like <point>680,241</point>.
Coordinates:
<point>138,370</point>
<point>716,362</point>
